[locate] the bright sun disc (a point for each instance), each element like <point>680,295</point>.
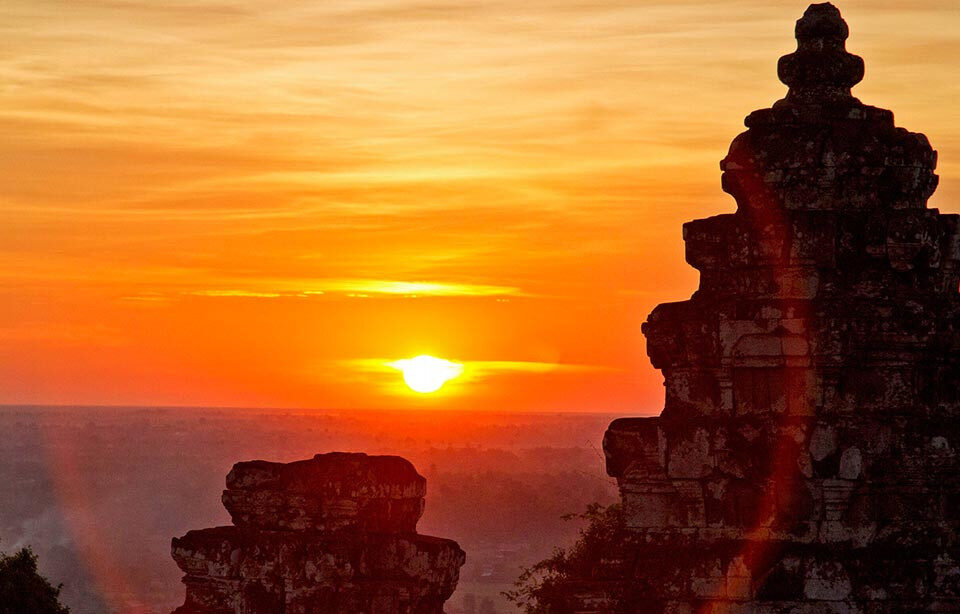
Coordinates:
<point>426,374</point>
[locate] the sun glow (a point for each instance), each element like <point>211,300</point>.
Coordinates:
<point>426,374</point>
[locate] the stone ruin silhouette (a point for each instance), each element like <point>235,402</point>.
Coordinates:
<point>335,534</point>
<point>806,457</point>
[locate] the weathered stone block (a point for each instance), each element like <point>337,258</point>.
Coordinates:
<point>329,492</point>
<point>335,534</point>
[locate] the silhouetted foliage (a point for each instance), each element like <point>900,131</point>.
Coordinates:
<point>542,588</point>
<point>23,590</point>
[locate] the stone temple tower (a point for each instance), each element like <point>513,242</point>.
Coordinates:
<point>806,460</point>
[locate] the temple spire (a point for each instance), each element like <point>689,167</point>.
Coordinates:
<point>821,69</point>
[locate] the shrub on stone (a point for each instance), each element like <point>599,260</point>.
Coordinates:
<point>544,588</point>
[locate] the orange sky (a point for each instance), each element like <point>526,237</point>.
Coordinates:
<point>241,202</point>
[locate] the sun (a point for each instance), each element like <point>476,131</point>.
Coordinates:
<point>426,374</point>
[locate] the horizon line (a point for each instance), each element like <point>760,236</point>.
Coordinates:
<point>4,406</point>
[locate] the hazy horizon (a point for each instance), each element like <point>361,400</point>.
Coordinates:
<point>99,492</point>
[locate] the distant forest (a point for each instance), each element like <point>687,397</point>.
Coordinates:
<point>99,492</point>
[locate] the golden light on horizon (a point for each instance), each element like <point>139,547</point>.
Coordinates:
<point>426,374</point>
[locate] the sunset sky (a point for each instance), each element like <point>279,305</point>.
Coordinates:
<point>253,203</point>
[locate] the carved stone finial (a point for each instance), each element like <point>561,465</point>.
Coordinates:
<point>821,149</point>
<point>821,69</point>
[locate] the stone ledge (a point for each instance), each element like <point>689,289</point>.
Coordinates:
<point>329,492</point>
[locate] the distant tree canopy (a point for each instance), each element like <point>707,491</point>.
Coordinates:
<point>544,588</point>
<point>23,590</point>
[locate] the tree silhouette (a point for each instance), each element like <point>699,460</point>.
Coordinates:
<point>23,590</point>
<point>544,588</point>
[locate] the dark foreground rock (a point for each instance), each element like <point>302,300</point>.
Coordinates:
<point>806,460</point>
<point>335,534</point>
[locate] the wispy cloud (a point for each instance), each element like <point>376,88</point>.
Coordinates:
<point>366,287</point>
<point>480,367</point>
<point>237,294</point>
